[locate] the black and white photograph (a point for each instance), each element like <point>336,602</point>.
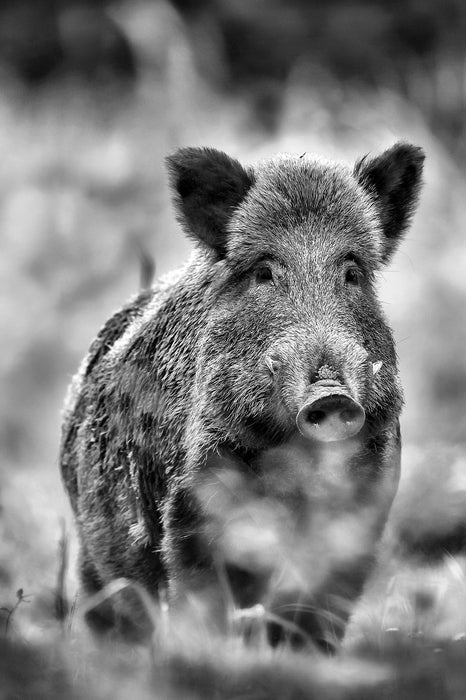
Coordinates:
<point>233,377</point>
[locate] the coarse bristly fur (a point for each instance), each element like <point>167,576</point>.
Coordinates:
<point>182,417</point>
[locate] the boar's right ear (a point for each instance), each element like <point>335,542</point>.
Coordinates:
<point>209,185</point>
<point>393,180</point>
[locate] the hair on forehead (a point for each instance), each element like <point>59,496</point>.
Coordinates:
<point>306,194</point>
<point>307,183</point>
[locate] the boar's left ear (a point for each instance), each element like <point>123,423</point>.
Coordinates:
<point>393,180</point>
<point>209,185</point>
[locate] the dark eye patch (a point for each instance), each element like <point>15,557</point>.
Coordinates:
<point>263,273</point>
<point>354,270</point>
<point>352,276</point>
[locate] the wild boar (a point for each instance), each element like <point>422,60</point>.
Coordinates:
<point>258,384</point>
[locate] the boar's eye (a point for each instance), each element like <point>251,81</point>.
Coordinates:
<point>353,276</point>
<point>263,274</point>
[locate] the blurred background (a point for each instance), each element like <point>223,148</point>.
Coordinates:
<point>94,94</point>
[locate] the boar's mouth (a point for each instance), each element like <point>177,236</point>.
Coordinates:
<point>329,413</point>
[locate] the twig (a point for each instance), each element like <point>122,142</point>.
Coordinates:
<point>61,602</point>
<point>20,598</point>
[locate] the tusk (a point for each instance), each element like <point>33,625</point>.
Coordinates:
<point>273,365</point>
<point>376,366</point>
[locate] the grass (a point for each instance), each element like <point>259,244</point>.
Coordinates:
<point>83,192</point>
<point>183,660</point>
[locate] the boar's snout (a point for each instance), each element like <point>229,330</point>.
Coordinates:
<point>330,414</point>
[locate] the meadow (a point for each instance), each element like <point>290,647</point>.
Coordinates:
<point>84,197</point>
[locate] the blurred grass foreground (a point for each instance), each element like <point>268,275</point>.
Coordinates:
<point>93,96</point>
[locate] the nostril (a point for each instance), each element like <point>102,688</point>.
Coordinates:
<point>316,417</point>
<point>349,416</point>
